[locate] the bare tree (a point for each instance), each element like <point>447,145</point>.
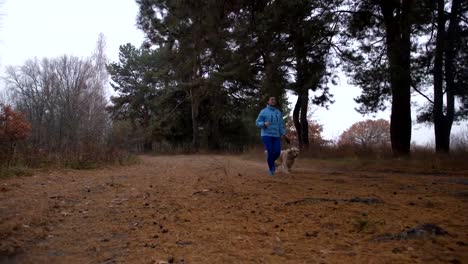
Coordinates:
<point>4,97</point>
<point>64,99</point>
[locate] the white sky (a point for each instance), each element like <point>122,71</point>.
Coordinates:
<point>50,28</point>
<point>341,115</point>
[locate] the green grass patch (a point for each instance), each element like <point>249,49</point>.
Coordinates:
<point>14,172</point>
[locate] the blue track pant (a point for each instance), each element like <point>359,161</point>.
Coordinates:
<point>273,147</point>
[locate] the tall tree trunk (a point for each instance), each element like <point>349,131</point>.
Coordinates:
<point>444,57</point>
<point>272,82</point>
<point>296,120</point>
<point>440,130</point>
<point>304,121</point>
<point>215,135</point>
<point>194,102</point>
<point>148,145</point>
<point>398,42</point>
<point>148,137</point>
<point>301,109</point>
<point>195,97</point>
<point>215,117</point>
<point>301,123</point>
<point>449,49</point>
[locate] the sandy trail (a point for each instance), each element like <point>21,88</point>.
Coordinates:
<point>226,209</point>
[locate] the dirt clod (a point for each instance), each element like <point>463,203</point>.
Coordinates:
<point>312,234</point>
<point>420,231</point>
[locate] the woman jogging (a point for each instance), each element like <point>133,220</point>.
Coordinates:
<point>270,120</point>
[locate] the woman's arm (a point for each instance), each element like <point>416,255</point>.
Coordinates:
<point>281,126</point>
<point>260,122</point>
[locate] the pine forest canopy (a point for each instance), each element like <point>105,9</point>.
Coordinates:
<point>207,67</point>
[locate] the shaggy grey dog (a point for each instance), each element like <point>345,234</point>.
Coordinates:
<point>287,158</point>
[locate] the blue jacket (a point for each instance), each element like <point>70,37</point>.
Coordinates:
<point>274,116</point>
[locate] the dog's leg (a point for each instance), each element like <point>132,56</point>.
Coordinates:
<point>278,162</point>
<point>290,164</point>
<point>285,165</point>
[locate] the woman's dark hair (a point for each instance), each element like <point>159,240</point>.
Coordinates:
<point>278,105</point>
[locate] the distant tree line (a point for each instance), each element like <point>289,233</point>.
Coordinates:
<point>63,99</point>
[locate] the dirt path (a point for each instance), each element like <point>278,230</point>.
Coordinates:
<point>225,209</point>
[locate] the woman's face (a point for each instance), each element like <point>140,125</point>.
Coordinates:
<point>272,101</point>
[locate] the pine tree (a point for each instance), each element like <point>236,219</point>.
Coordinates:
<point>381,64</point>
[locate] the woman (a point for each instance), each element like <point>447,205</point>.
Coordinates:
<point>270,120</point>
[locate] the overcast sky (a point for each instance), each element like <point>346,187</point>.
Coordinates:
<point>50,28</point>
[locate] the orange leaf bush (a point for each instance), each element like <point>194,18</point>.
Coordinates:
<point>13,128</point>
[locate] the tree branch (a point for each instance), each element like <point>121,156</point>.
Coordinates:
<point>339,52</point>
<point>377,41</point>
<point>422,94</point>
<point>464,19</point>
<point>356,12</point>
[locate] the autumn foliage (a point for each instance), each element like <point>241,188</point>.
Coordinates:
<point>13,128</point>
<point>315,133</point>
<point>368,134</point>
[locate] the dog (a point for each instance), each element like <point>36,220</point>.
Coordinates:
<point>287,158</point>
